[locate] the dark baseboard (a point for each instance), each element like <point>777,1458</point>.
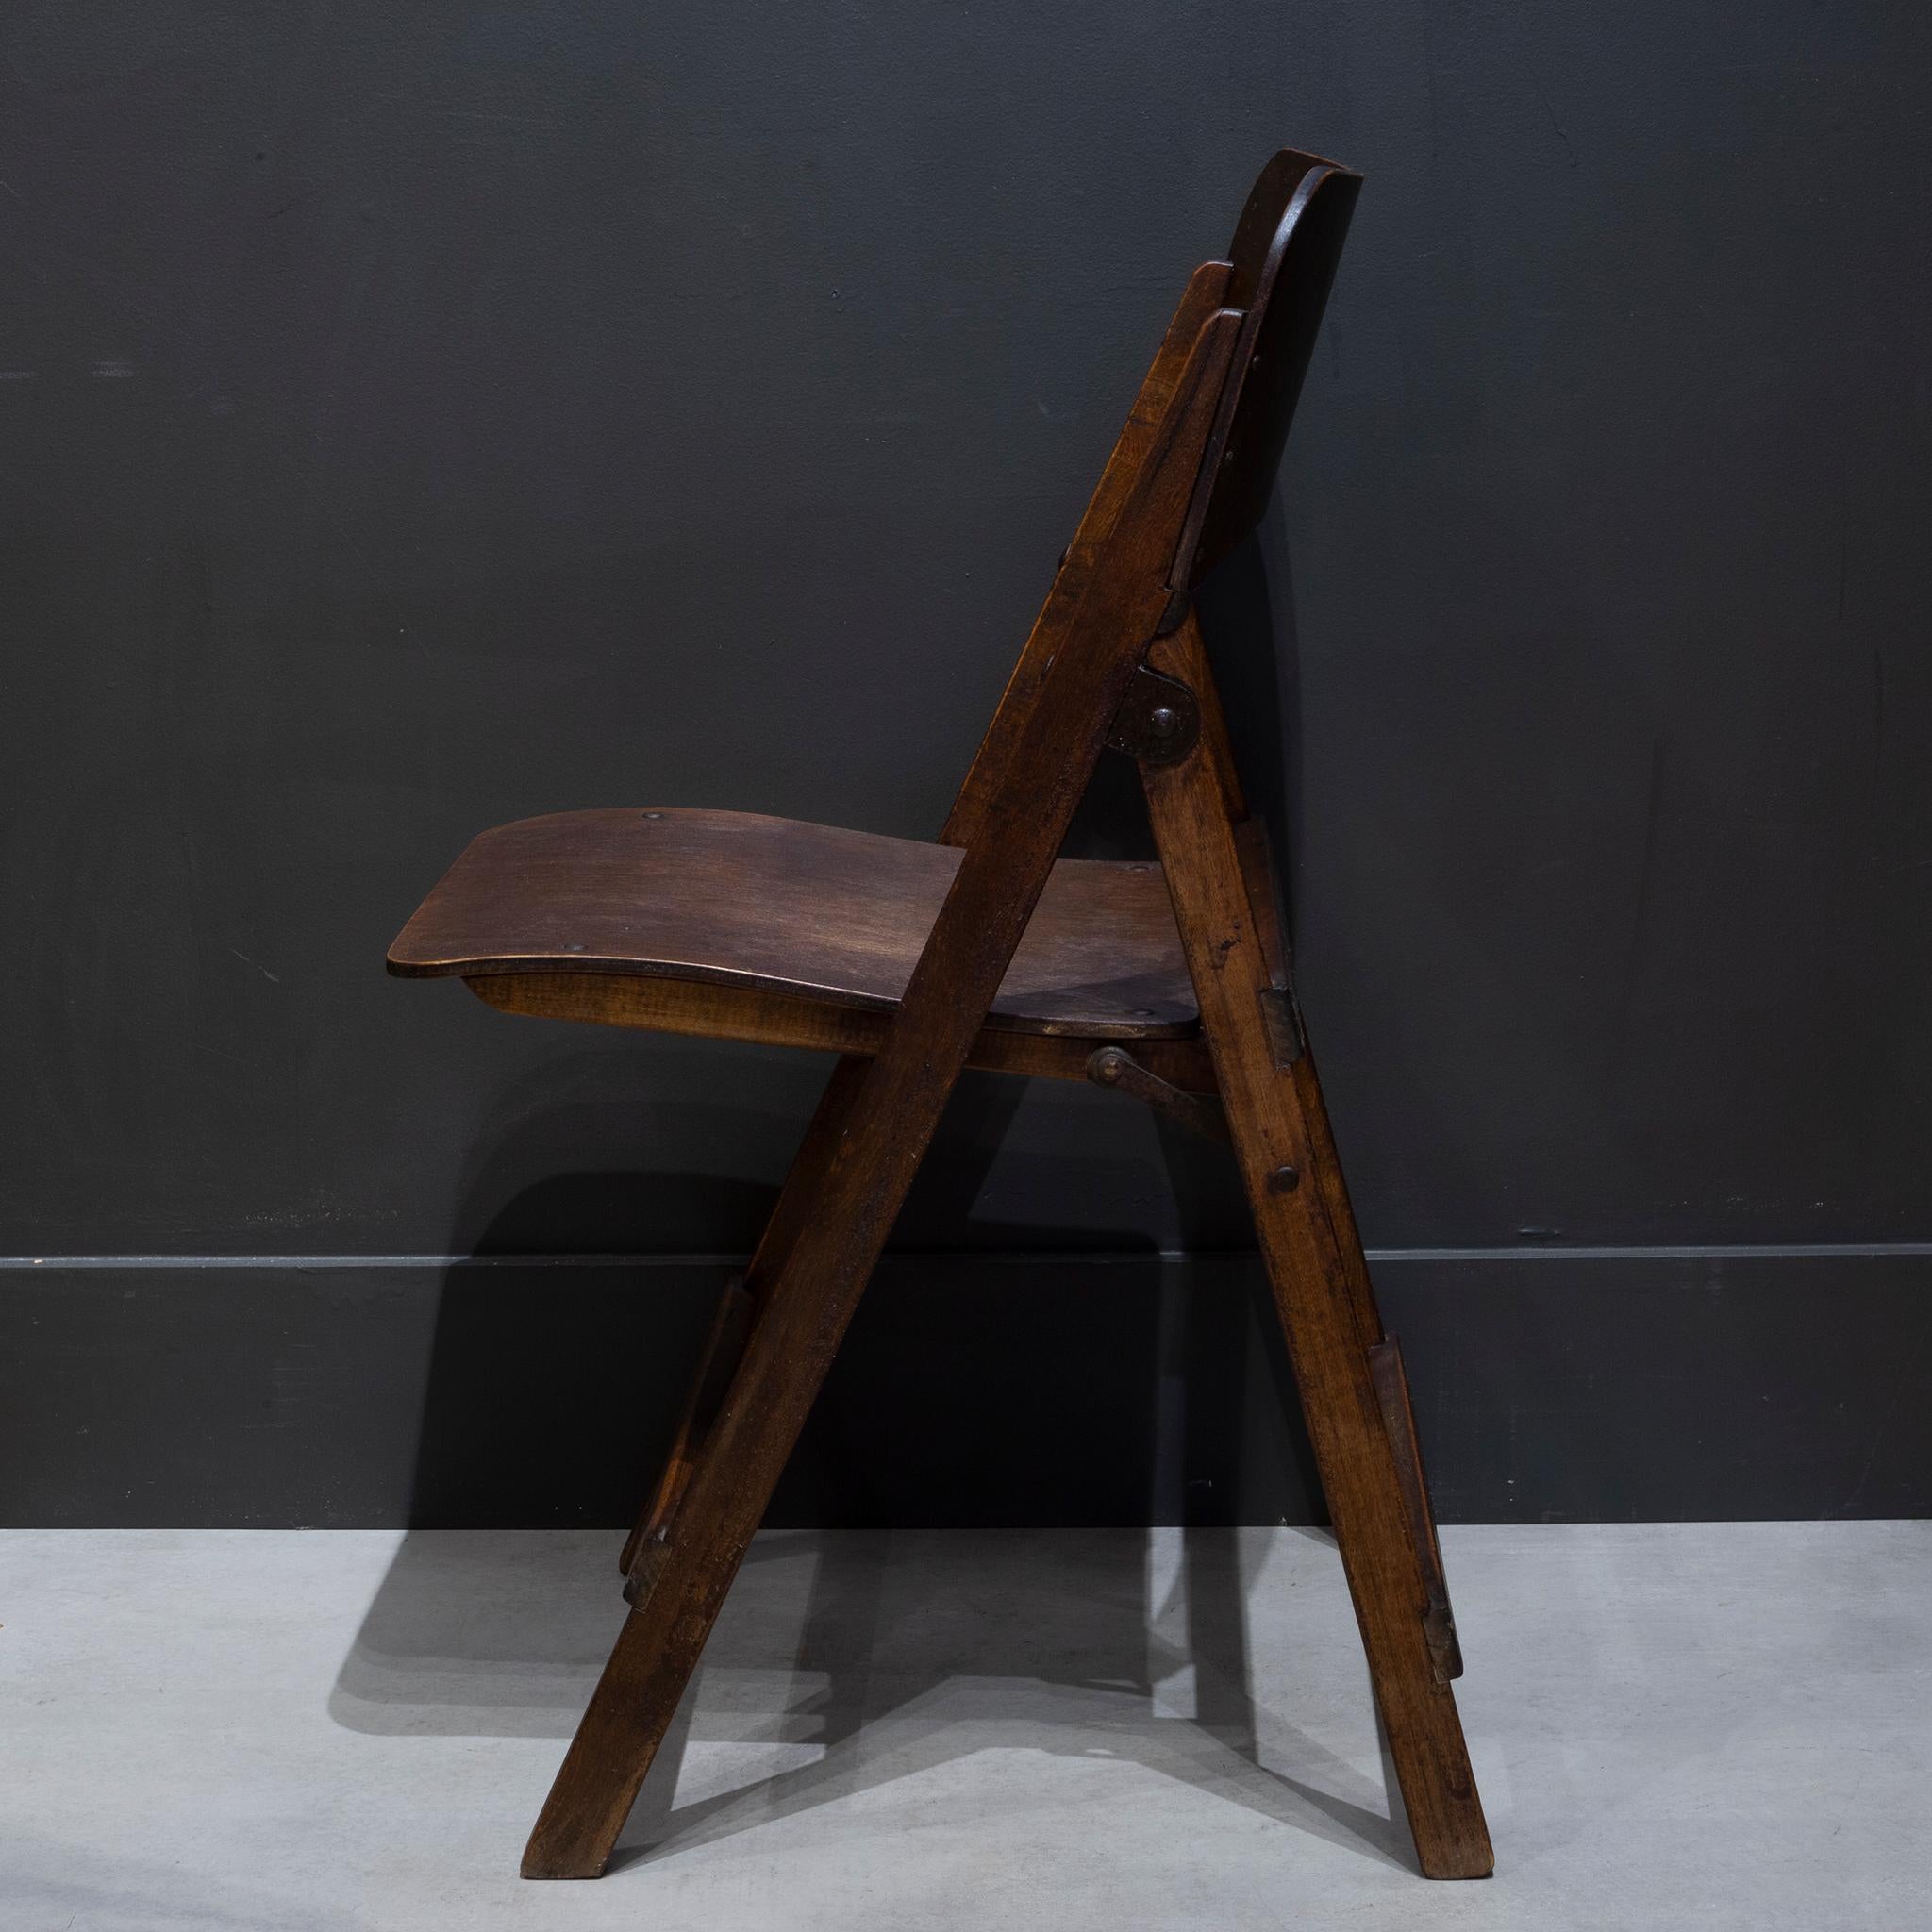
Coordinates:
<point>1551,1385</point>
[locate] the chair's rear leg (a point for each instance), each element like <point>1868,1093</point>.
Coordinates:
<point>1327,1312</point>
<point>1379,1525</point>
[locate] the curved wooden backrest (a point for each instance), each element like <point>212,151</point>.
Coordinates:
<point>1285,249</point>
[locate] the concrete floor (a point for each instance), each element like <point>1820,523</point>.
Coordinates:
<point>1725,1725</point>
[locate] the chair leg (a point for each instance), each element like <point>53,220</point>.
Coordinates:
<point>1379,1511</point>
<point>644,1548</point>
<point>839,1202</point>
<point>732,1474</point>
<point>725,1343</point>
<point>1326,1308</point>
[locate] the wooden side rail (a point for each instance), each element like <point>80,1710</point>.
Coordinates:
<point>769,1019</point>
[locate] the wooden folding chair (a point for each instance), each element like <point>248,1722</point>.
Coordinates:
<point>1170,983</point>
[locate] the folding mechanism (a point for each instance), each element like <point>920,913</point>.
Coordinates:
<point>1170,983</point>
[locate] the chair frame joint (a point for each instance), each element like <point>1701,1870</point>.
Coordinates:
<point>1201,1113</point>
<point>1158,720</point>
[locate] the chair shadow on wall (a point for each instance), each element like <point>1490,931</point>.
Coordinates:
<point>856,1659</point>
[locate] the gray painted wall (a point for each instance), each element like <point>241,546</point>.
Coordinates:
<point>414,419</point>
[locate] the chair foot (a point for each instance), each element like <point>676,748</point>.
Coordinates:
<point>615,1744</point>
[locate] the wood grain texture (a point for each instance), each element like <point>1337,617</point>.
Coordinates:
<point>1184,655</point>
<point>735,899</point>
<point>1322,1295</point>
<point>1398,1422</point>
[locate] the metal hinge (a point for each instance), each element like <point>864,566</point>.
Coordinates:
<point>1115,1067</point>
<point>1158,720</point>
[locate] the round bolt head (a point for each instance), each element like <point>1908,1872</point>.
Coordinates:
<point>1284,1180</point>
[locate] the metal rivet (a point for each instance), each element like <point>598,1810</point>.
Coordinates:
<point>1163,721</point>
<point>654,814</point>
<point>573,949</point>
<point>1284,1180</point>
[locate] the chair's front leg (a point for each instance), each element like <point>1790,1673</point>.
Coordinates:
<point>790,1346</point>
<point>664,1634</point>
<point>704,1511</point>
<point>725,1340</point>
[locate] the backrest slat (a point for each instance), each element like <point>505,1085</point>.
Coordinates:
<point>1275,282</point>
<point>1286,247</point>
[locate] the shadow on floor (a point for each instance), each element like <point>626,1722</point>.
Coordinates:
<point>848,1659</point>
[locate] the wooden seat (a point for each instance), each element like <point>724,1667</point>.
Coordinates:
<point>732,899</point>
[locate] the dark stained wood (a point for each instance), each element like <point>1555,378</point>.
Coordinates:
<point>733,899</point>
<point>1319,1280</point>
<point>912,962</point>
<point>1183,656</point>
<point>1285,250</point>
<point>771,1019</point>
<point>725,1346</point>
<point>1100,626</point>
<point>1398,1419</point>
<point>717,1362</point>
